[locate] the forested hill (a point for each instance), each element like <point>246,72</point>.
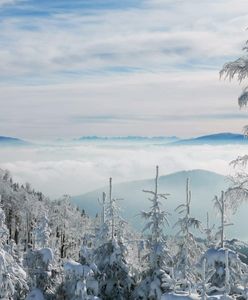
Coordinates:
<point>204,185</point>
<point>51,250</point>
<point>24,207</point>
<point>42,242</point>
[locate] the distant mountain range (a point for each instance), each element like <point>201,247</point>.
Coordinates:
<point>212,139</point>
<point>204,186</point>
<point>215,139</point>
<point>166,139</point>
<point>10,141</point>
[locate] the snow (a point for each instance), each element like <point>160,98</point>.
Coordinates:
<point>46,255</point>
<point>35,294</point>
<point>74,268</point>
<point>181,296</point>
<point>213,255</point>
<point>63,253</point>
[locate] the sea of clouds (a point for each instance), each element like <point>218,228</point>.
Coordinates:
<point>77,168</point>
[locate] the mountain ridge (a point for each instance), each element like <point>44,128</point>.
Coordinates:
<point>126,138</point>
<point>221,138</point>
<point>214,139</point>
<point>7,140</point>
<point>204,185</point>
<point>203,182</point>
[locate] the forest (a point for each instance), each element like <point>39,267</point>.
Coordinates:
<point>52,250</point>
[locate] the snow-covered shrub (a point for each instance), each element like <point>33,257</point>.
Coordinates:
<point>225,266</point>
<point>153,285</point>
<point>39,263</point>
<point>80,282</point>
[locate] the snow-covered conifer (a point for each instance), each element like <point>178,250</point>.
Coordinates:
<point>209,233</point>
<point>238,68</point>
<point>189,250</point>
<point>42,232</point>
<point>224,269</point>
<point>12,276</point>
<point>156,279</point>
<point>222,208</point>
<point>110,256</point>
<point>80,282</point>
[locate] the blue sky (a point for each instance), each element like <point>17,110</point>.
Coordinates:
<point>72,68</point>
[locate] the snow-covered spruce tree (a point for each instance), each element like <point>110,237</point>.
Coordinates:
<point>207,284</point>
<point>12,276</point>
<point>225,270</point>
<point>116,282</point>
<point>156,279</point>
<point>42,232</point>
<point>221,205</point>
<point>220,273</point>
<point>223,264</point>
<point>80,276</point>
<point>238,191</point>
<point>79,282</point>
<point>189,251</point>
<point>238,68</point>
<point>39,261</point>
<point>102,229</point>
<point>203,285</point>
<point>69,227</point>
<point>209,233</point>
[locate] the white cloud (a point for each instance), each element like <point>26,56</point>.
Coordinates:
<point>8,2</point>
<point>62,110</point>
<point>134,61</point>
<point>76,169</point>
<point>152,39</point>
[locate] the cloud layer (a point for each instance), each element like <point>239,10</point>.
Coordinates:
<point>148,38</point>
<point>76,169</point>
<point>62,61</point>
<point>184,105</point>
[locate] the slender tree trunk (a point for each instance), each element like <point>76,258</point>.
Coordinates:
<point>62,250</point>
<point>27,231</point>
<point>227,274</point>
<point>188,199</point>
<point>16,237</point>
<point>156,182</point>
<point>207,221</point>
<point>103,203</point>
<point>156,203</point>
<point>111,207</point>
<point>222,218</point>
<point>10,221</point>
<point>208,231</point>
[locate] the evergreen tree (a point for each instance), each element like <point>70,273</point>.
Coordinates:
<point>189,250</point>
<point>12,277</point>
<point>156,278</point>
<point>116,282</point>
